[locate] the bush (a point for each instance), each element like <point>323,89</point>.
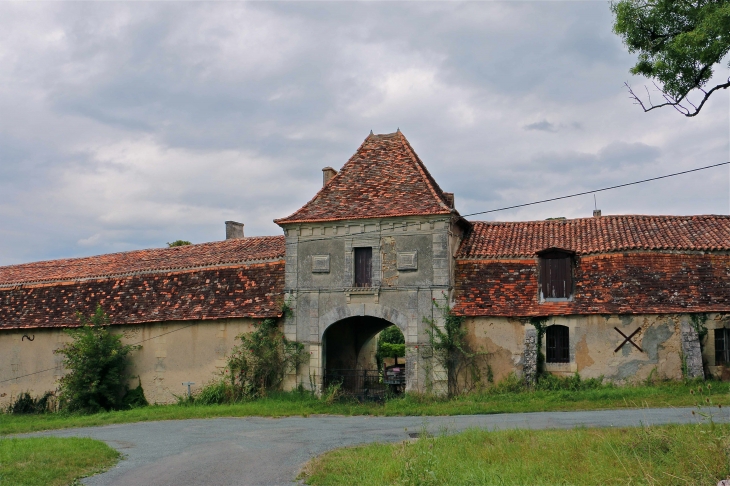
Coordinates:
<point>25,404</point>
<point>97,361</point>
<point>262,360</point>
<point>134,397</point>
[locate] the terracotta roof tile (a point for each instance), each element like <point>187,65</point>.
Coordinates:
<point>226,279</point>
<point>597,235</point>
<point>384,178</point>
<point>144,261</point>
<point>612,283</point>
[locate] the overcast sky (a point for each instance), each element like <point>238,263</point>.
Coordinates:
<point>128,125</point>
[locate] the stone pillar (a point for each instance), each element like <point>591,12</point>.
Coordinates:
<point>529,359</point>
<point>691,352</point>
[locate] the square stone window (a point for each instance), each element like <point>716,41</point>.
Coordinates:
<point>407,260</point>
<point>320,264</point>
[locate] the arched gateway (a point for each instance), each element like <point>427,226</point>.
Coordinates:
<point>373,248</point>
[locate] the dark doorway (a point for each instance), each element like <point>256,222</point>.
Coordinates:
<point>349,356</point>
<point>363,267</point>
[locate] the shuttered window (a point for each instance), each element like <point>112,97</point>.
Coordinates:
<point>722,346</point>
<point>363,267</point>
<point>558,344</point>
<point>556,275</point>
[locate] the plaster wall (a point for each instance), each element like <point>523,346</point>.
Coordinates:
<point>593,341</point>
<point>171,353</point>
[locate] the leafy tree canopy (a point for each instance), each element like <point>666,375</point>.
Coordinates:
<point>178,243</point>
<point>391,344</point>
<point>678,42</point>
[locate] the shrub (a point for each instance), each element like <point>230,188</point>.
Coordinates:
<point>97,361</point>
<point>25,404</point>
<point>134,397</point>
<point>262,360</point>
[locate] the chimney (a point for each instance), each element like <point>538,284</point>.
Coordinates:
<point>596,213</point>
<point>327,174</point>
<point>449,199</point>
<point>234,230</point>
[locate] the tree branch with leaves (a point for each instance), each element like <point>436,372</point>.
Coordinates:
<point>679,42</point>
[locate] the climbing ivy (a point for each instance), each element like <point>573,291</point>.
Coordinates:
<point>452,351</point>
<point>539,325</point>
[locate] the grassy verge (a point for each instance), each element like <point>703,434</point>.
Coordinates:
<point>47,461</point>
<point>670,394</point>
<point>667,455</point>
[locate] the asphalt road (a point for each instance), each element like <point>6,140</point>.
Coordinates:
<point>263,451</point>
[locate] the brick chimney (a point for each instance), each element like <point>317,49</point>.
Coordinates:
<point>449,199</point>
<point>327,174</point>
<point>234,230</point>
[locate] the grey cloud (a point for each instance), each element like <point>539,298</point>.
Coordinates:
<point>130,125</point>
<point>543,126</point>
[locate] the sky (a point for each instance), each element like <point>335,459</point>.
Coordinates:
<point>129,125</point>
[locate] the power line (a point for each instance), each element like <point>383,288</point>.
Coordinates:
<point>599,190</point>
<point>133,344</point>
<point>534,202</point>
<point>465,215</point>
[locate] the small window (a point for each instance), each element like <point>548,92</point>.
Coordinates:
<point>558,349</point>
<point>722,346</point>
<point>556,274</point>
<point>363,267</point>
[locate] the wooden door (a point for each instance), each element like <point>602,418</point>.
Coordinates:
<point>363,267</point>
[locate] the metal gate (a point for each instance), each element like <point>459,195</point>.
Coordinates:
<point>366,384</point>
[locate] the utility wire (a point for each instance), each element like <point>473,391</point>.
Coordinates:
<point>531,203</point>
<point>465,215</point>
<point>599,190</point>
<point>133,344</point>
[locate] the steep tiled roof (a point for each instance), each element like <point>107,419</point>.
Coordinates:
<point>597,235</point>
<point>146,261</point>
<point>227,279</point>
<point>384,178</point>
<point>651,282</point>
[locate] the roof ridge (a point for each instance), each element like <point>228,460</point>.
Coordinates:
<point>161,249</point>
<point>420,166</point>
<point>608,216</point>
<point>321,189</point>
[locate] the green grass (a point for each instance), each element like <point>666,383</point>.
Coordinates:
<point>666,455</point>
<point>670,394</point>
<point>48,461</point>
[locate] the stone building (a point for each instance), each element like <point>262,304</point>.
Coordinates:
<point>381,244</point>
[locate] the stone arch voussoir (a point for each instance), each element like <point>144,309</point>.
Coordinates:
<point>369,310</point>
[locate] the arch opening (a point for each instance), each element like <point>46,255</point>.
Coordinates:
<point>349,353</point>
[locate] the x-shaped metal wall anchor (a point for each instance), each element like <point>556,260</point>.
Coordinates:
<point>627,339</point>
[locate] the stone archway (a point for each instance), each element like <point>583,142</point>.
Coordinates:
<point>348,355</point>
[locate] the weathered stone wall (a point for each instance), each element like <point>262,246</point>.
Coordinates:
<point>593,343</point>
<point>411,267</point>
<point>172,353</point>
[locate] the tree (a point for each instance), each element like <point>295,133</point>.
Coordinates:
<point>678,42</point>
<point>97,361</point>
<point>391,344</point>
<point>178,243</point>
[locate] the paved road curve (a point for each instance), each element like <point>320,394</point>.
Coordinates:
<point>262,451</point>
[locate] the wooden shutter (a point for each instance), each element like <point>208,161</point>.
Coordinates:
<point>556,275</point>
<point>363,267</point>
<point>558,344</point>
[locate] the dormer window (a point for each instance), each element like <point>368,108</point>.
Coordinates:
<point>555,274</point>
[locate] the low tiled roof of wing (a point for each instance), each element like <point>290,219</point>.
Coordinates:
<point>384,178</point>
<point>597,235</point>
<point>228,252</point>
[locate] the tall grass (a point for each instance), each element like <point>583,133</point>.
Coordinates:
<point>508,396</point>
<point>666,455</point>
